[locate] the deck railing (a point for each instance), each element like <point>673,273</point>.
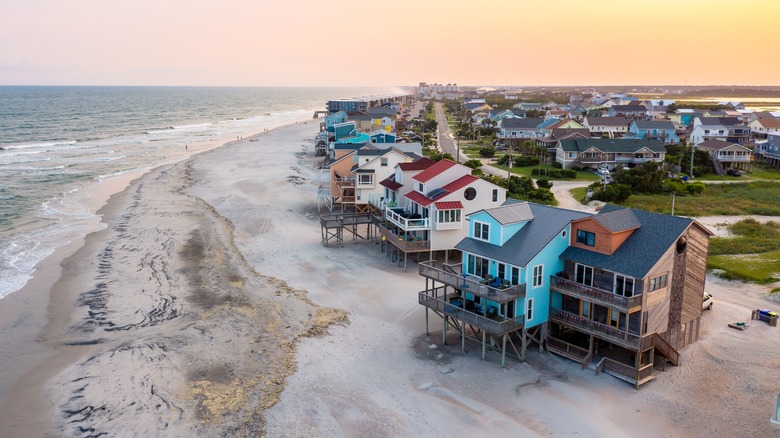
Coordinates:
<point>603,331</point>
<point>596,295</point>
<point>497,325</point>
<point>406,224</point>
<point>474,284</point>
<point>566,349</point>
<point>405,244</point>
<point>637,376</point>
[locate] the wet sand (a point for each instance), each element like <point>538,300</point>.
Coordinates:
<point>209,307</point>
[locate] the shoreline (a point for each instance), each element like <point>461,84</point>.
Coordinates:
<point>189,315</point>
<point>39,321</point>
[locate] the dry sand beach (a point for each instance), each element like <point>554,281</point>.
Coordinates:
<point>209,307</point>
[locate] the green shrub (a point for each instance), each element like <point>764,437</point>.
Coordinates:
<point>544,183</point>
<point>616,193</point>
<point>487,152</point>
<point>473,163</point>
<point>556,164</point>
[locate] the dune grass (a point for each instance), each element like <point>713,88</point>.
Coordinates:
<point>752,254</point>
<point>759,197</point>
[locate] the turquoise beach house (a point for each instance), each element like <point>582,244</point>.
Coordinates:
<point>654,130</point>
<point>620,291</point>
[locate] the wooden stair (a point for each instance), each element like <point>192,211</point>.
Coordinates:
<point>666,350</point>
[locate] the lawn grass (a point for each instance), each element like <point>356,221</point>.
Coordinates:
<point>579,193</point>
<point>752,254</point>
<point>759,197</point>
<point>760,268</point>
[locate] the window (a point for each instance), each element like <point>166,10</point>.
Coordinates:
<point>529,309</point>
<point>448,216</point>
<point>477,266</point>
<point>572,154</point>
<point>584,308</point>
<point>383,161</point>
<point>365,178</point>
<point>563,234</point>
<point>495,195</point>
<point>481,231</point>
<point>586,237</point>
<point>470,193</point>
<point>420,188</point>
<point>538,275</point>
<point>624,286</point>
<point>514,278</point>
<point>656,283</point>
<point>583,275</point>
<point>501,271</point>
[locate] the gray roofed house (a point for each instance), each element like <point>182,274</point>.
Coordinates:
<point>654,124</point>
<point>597,152</point>
<point>641,250</point>
<point>381,111</point>
<point>546,223</point>
<point>515,127</point>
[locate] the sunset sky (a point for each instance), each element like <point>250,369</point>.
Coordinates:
<point>401,42</point>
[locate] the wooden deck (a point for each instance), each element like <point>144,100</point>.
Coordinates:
<point>499,295</point>
<point>602,331</point>
<point>595,295</point>
<point>497,325</point>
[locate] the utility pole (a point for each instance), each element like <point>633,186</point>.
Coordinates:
<point>673,193</point>
<point>509,170</point>
<point>692,148</point>
<point>457,140</point>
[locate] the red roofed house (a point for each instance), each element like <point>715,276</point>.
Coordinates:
<point>427,204</point>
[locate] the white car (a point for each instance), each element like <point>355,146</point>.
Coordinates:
<point>603,171</point>
<point>706,303</point>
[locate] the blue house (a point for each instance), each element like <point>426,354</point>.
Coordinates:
<point>654,130</point>
<point>333,119</point>
<point>344,130</point>
<point>622,288</point>
<point>504,274</point>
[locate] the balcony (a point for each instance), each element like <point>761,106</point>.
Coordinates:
<point>497,325</point>
<point>345,182</point>
<point>406,221</point>
<point>734,158</point>
<point>597,329</point>
<point>406,243</point>
<point>474,283</point>
<point>595,295</point>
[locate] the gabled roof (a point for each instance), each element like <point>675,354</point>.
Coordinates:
<point>654,124</point>
<point>430,172</point>
<point>618,220</point>
<point>641,250</point>
<point>520,123</point>
<point>444,191</point>
<point>607,121</point>
<point>523,246</point>
<point>722,121</point>
<point>769,122</point>
<point>629,108</point>
<point>716,145</point>
<point>382,111</point>
<point>611,145</point>
<point>460,183</point>
<point>511,214</point>
<point>421,164</point>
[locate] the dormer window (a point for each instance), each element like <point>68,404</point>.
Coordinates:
<point>586,237</point>
<point>481,230</point>
<point>420,187</point>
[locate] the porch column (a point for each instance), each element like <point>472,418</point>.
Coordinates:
<point>625,336</point>
<point>483,344</point>
<point>503,350</point>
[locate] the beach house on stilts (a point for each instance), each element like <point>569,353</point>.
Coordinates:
<point>620,290</point>
<point>425,206</point>
<point>500,289</point>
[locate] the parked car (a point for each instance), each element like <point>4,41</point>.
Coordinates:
<point>733,172</point>
<point>706,303</point>
<point>603,171</point>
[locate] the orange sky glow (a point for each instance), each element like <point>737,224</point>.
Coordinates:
<point>403,42</point>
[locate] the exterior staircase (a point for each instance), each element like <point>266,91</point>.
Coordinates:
<point>716,164</point>
<point>666,350</point>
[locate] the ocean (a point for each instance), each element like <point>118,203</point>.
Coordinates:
<point>56,143</point>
